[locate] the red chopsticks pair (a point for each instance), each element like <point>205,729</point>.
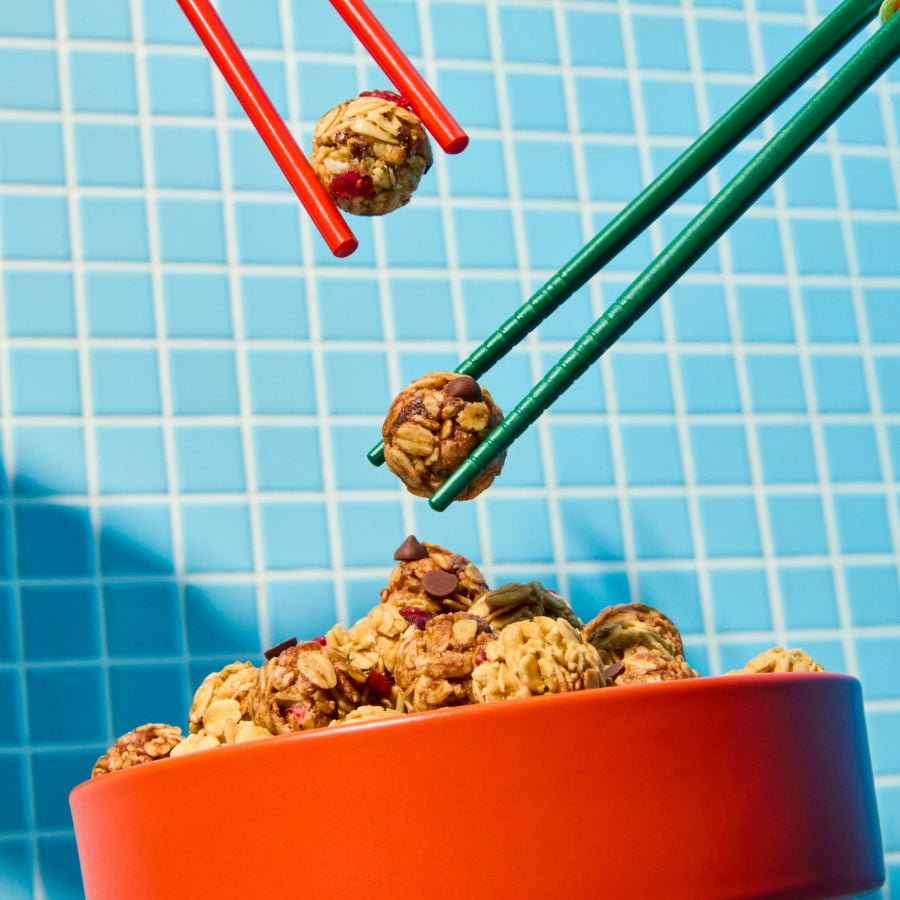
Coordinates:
<point>274,131</point>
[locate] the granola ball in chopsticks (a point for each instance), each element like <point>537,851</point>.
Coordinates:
<point>370,153</point>
<point>433,425</point>
<point>540,655</point>
<point>431,579</point>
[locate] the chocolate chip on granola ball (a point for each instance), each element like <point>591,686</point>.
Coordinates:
<point>411,549</point>
<point>440,584</point>
<point>611,673</point>
<point>272,652</point>
<point>466,388</point>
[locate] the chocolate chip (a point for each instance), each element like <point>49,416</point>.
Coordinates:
<point>439,584</point>
<point>466,388</point>
<point>614,671</point>
<point>272,652</point>
<point>410,550</point>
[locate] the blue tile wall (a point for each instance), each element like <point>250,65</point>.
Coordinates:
<point>190,381</point>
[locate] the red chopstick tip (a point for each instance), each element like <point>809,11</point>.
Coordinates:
<point>345,247</point>
<point>457,144</point>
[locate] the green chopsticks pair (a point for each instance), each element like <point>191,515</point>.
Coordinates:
<point>779,153</point>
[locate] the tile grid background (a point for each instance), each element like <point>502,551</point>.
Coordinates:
<point>189,382</point>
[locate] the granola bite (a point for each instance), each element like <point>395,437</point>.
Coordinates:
<point>435,664</point>
<point>223,698</point>
<point>645,666</point>
<point>516,602</point>
<point>429,577</point>
<point>306,686</point>
<point>629,627</point>
<point>364,713</point>
<point>195,742</point>
<point>540,655</point>
<point>370,153</point>
<point>433,425</point>
<point>146,743</point>
<point>777,659</point>
<point>372,642</point>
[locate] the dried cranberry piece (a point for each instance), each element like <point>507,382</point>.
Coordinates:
<point>351,184</point>
<point>480,656</point>
<point>297,715</point>
<point>398,99</point>
<point>379,682</point>
<point>320,639</point>
<point>416,616</point>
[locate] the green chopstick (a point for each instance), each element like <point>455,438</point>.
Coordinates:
<point>832,33</point>
<point>778,154</point>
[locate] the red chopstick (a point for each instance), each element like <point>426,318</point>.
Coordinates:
<point>403,74</point>
<point>271,127</point>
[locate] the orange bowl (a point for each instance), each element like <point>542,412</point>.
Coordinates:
<point>745,786</point>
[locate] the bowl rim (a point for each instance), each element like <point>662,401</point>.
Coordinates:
<point>516,706</point>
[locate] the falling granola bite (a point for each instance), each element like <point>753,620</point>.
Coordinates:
<point>541,655</point>
<point>146,743</point>
<point>778,659</point>
<point>308,685</point>
<point>370,153</point>
<point>432,427</point>
<point>430,578</point>
<point>435,664</point>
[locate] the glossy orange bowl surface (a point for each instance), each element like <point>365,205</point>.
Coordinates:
<point>739,786</point>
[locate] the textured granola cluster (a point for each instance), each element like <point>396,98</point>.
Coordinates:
<point>435,663</point>
<point>370,153</point>
<point>145,744</point>
<point>777,659</point>
<point>638,644</point>
<point>539,655</point>
<point>428,576</point>
<point>439,636</point>
<point>515,602</point>
<point>433,426</point>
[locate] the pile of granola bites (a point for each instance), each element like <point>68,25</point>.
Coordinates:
<point>438,637</point>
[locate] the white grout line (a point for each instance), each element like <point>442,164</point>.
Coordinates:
<point>701,559</point>
<point>309,270</point>
<point>159,342</point>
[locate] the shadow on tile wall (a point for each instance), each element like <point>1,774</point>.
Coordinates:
<point>93,634</point>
